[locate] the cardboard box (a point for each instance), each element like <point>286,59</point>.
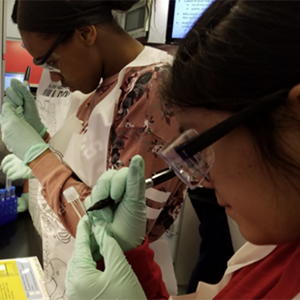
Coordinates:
<point>22,279</point>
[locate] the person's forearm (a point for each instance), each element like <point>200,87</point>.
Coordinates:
<point>25,187</point>
<point>55,177</point>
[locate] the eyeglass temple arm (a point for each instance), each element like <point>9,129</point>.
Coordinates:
<point>202,141</point>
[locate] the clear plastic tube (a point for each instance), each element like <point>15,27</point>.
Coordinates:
<point>72,197</point>
<point>8,187</point>
<point>13,192</point>
<point>2,194</point>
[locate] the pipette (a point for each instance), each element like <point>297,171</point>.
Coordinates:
<point>157,178</point>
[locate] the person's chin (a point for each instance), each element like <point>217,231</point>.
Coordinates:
<point>229,211</point>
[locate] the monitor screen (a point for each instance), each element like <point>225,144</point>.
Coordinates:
<point>9,76</point>
<point>182,16</point>
<point>135,19</point>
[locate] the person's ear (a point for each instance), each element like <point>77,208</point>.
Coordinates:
<point>294,94</point>
<point>294,98</point>
<point>87,34</point>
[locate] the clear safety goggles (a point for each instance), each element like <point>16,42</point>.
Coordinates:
<point>190,155</point>
<point>51,64</point>
<point>49,59</point>
<point>191,170</point>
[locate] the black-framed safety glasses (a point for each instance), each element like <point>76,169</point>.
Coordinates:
<point>190,155</point>
<point>42,62</point>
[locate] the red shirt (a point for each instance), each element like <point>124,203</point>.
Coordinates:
<point>277,276</point>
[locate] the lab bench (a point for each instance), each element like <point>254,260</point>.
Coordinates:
<point>20,239</point>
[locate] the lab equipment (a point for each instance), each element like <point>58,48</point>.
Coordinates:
<point>191,170</point>
<point>9,76</point>
<point>190,155</point>
<point>72,197</point>
<point>8,186</point>
<point>8,205</point>
<point>2,194</point>
<point>13,191</point>
<point>157,178</point>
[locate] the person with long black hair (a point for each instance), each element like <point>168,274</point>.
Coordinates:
<point>234,88</point>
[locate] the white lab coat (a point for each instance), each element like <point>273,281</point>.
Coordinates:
<point>246,255</point>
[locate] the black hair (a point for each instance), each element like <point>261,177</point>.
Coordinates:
<point>118,5</point>
<point>14,13</point>
<point>123,5</point>
<point>236,52</point>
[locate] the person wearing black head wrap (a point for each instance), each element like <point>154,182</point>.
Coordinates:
<point>52,16</point>
<point>82,46</point>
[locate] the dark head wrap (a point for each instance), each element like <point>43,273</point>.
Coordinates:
<point>55,16</point>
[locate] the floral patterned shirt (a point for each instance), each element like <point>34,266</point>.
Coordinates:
<point>142,125</point>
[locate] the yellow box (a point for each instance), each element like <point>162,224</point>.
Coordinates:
<point>22,279</point>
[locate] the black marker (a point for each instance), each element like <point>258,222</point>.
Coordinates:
<point>26,77</point>
<point>157,178</point>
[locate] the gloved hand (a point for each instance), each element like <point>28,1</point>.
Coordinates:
<point>19,137</point>
<point>18,95</point>
<point>15,169</point>
<point>22,203</point>
<point>84,281</point>
<point>127,220</point>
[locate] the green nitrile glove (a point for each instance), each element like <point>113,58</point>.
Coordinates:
<point>18,136</point>
<point>84,281</point>
<point>22,203</point>
<point>15,169</point>
<point>127,220</point>
<point>18,95</point>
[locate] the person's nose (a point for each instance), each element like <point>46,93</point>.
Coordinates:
<point>55,76</point>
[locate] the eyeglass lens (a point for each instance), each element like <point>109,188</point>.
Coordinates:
<point>193,170</point>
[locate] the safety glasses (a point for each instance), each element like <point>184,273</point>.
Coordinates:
<point>190,155</point>
<point>42,61</point>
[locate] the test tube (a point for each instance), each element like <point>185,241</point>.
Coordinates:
<point>2,194</point>
<point>13,192</point>
<point>8,187</point>
<point>72,197</point>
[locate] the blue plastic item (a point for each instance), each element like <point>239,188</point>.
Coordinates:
<point>8,208</point>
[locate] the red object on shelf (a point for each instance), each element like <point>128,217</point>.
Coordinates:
<point>17,59</point>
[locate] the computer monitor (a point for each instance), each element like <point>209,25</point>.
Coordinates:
<point>10,75</point>
<point>182,16</point>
